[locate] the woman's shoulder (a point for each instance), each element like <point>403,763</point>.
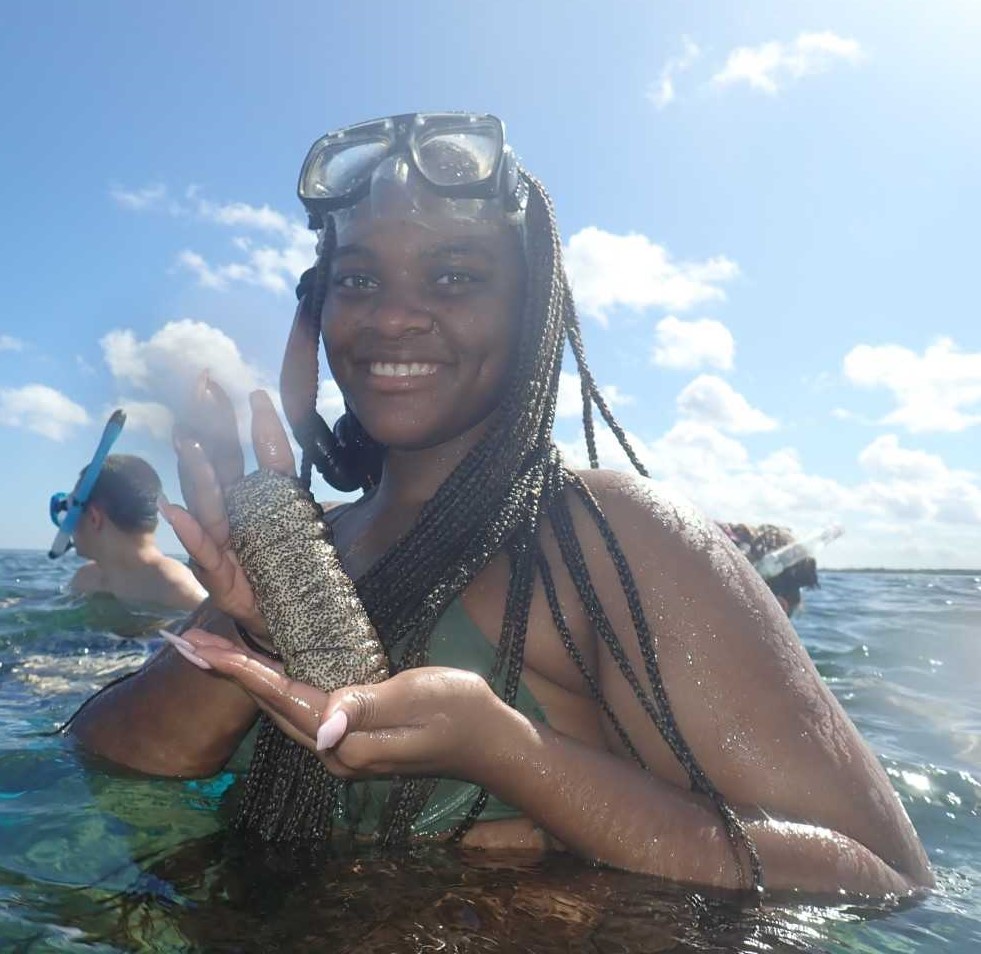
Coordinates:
<point>673,548</point>
<point>641,508</point>
<point>88,578</point>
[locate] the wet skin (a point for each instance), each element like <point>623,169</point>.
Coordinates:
<point>746,697</point>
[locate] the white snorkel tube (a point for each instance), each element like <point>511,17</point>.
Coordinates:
<point>66,509</point>
<point>772,564</point>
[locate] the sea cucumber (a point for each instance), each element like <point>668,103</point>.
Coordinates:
<point>311,608</point>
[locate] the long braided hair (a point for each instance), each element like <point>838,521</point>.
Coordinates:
<point>497,499</point>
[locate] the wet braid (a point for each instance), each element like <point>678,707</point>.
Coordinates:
<point>497,500</point>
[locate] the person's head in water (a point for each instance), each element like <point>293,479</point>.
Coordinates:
<point>125,494</point>
<point>757,541</point>
<point>444,307</point>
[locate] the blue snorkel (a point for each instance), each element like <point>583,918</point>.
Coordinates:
<point>65,509</point>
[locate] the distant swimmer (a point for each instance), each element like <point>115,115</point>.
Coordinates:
<point>787,564</point>
<point>112,521</point>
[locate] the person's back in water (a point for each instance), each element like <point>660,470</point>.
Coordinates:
<point>117,533</point>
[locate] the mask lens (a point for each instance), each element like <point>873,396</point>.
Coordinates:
<point>340,168</point>
<point>459,157</point>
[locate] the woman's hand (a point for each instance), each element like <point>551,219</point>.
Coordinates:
<point>210,460</point>
<point>423,721</point>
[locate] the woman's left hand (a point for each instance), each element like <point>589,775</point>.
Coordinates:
<point>424,721</point>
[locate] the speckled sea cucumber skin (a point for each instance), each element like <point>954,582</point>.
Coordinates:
<point>313,613</point>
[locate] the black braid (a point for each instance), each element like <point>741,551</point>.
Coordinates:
<point>497,500</point>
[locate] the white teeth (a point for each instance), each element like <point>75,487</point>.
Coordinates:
<point>387,369</point>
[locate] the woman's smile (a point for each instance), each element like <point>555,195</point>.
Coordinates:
<point>387,369</point>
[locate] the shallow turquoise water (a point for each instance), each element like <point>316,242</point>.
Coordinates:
<point>95,862</point>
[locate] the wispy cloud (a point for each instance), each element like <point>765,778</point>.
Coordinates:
<point>10,343</point>
<point>150,198</point>
<point>772,66</point>
<point>609,271</point>
<point>690,345</point>
<point>241,214</point>
<point>273,264</point>
<point>662,92</point>
<point>275,267</point>
<point>939,390</point>
<point>43,410</point>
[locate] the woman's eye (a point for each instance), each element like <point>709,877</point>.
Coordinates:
<point>355,282</point>
<point>456,278</point>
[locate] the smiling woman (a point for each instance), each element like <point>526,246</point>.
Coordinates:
<point>572,656</point>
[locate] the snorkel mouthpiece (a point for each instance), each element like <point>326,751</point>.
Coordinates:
<point>66,509</point>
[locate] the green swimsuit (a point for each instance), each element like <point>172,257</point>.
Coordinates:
<point>457,642</point>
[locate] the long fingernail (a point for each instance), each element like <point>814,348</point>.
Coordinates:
<point>185,649</point>
<point>174,639</point>
<point>329,734</point>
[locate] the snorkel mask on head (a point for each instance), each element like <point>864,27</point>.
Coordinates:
<point>427,166</point>
<point>461,157</point>
<point>66,509</point>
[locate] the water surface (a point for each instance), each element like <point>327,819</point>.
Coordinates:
<point>96,862</point>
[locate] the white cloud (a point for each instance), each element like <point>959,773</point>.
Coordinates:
<point>10,343</point>
<point>662,92</point>
<point>712,401</point>
<point>38,408</point>
<point>935,391</point>
<point>152,198</point>
<point>262,218</point>
<point>770,66</point>
<point>913,511</point>
<point>689,345</point>
<point>569,403</point>
<point>609,271</point>
<point>330,401</point>
<point>273,267</point>
<point>166,365</point>
<point>915,485</point>
<point>149,416</point>
<point>885,458</point>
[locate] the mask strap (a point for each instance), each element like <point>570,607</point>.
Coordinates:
<point>298,380</point>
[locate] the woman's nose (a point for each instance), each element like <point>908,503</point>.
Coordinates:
<point>401,311</point>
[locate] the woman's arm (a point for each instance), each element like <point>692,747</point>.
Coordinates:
<point>169,718</point>
<point>746,697</point>
<point>609,810</point>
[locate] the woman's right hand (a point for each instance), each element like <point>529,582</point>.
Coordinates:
<point>209,458</point>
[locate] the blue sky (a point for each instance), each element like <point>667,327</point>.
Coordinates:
<point>769,214</point>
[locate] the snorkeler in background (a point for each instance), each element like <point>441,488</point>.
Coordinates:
<point>785,582</point>
<point>116,532</point>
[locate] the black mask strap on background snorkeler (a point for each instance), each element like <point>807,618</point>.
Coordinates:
<point>460,156</point>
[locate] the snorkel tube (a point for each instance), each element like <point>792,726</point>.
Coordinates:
<point>772,564</point>
<point>65,509</point>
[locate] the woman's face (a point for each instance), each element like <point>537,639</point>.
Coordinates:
<point>420,322</point>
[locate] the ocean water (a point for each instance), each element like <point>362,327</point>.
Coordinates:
<point>97,862</point>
